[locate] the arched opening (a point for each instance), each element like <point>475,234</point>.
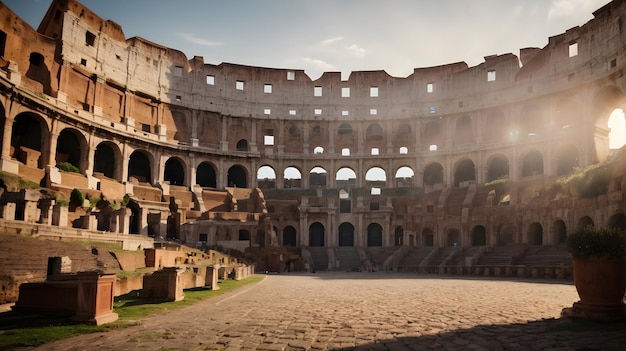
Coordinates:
<point>433,174</point>
<point>292,178</point>
<point>26,138</point>
<point>463,132</point>
<point>374,132</point>
<point>106,157</point>
<point>559,231</point>
<point>237,177</point>
<point>139,167</point>
<point>428,237</point>
<point>135,218</point>
<point>496,130</point>
<point>617,125</point>
<point>566,160</point>
<point>205,175</point>
<point>583,223</point>
<point>453,238</point>
<point>465,172</point>
<point>506,234</point>
<point>374,235</point>
<point>375,176</point>
<point>498,168</point>
<point>345,177</point>
<point>431,135</point>
<point>289,236</point>
<point>404,177</point>
<point>479,236</point>
<point>242,145</point>
<point>316,234</point>
<point>535,234</point>
<point>266,177</point>
<point>244,234</point>
<point>39,72</point>
<point>318,150</point>
<point>174,171</point>
<point>317,177</point>
<point>531,121</point>
<point>618,221</point>
<point>398,236</point>
<point>532,164</point>
<point>69,148</point>
<point>346,234</point>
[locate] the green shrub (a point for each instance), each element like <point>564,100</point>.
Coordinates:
<point>76,197</point>
<point>67,167</point>
<point>597,241</point>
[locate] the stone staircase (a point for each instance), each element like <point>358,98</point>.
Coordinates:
<point>379,254</point>
<point>442,255</point>
<point>415,256</point>
<point>502,255</point>
<point>454,202</point>
<point>349,259</point>
<point>546,255</point>
<point>320,258</point>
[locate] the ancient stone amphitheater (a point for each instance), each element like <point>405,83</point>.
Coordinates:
<point>481,170</point>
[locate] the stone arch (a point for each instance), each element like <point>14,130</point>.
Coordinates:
<point>505,234</point>
<point>559,231</point>
<point>140,166</point>
<point>27,135</point>
<point>316,234</point>
<point>237,176</point>
<point>566,159</point>
<point>531,121</point>
<point>496,130</point>
<point>345,176</point>
<point>71,148</point>
<point>463,133</point>
<point>431,134</point>
<point>374,235</point>
<point>398,236</point>
<point>583,222</point>
<point>266,177</point>
<point>498,168</point>
<point>376,176</point>
<point>206,176</point>
<point>292,177</point>
<point>465,172</point>
<point>318,177</point>
<point>535,234</point>
<point>479,236</point>
<point>374,133</point>
<point>346,234</point>
<point>39,72</point>
<point>605,100</point>
<point>290,236</point>
<point>433,174</point>
<point>404,176</point>
<point>242,145</point>
<point>107,158</point>
<point>453,237</point>
<point>402,136</point>
<point>532,163</point>
<point>174,171</point>
<point>617,220</point>
<point>428,237</point>
<point>566,110</point>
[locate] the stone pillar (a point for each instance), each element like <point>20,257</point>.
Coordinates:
<point>143,221</point>
<point>174,283</point>
<point>95,298</point>
<point>211,278</point>
<point>123,221</point>
<point>46,206</point>
<point>31,212</point>
<point>8,211</point>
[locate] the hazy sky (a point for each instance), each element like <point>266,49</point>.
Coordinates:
<point>338,35</point>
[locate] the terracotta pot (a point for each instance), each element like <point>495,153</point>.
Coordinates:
<point>600,281</point>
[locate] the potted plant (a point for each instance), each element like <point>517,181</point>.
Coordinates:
<point>599,272</point>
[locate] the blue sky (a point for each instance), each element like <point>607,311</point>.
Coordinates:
<point>338,35</point>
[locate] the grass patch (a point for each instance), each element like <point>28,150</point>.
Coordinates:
<point>39,329</point>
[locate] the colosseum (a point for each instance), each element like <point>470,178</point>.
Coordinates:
<point>126,140</point>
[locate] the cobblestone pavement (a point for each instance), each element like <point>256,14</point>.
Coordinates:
<point>369,311</point>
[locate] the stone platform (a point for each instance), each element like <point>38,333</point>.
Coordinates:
<point>369,311</point>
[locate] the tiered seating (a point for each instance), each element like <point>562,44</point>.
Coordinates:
<point>348,257</point>
<point>546,255</point>
<point>415,256</point>
<point>320,258</point>
<point>454,202</point>
<point>443,253</point>
<point>502,255</point>
<point>379,254</point>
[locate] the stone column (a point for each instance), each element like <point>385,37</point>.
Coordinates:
<point>8,165</point>
<point>124,220</point>
<point>211,278</point>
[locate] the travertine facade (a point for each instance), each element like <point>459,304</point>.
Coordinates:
<point>370,161</point>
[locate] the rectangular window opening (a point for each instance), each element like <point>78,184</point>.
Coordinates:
<point>374,151</point>
<point>318,111</point>
<point>267,88</point>
<point>179,97</point>
<point>430,87</point>
<point>239,85</point>
<point>373,111</point>
<point>267,111</point>
<point>573,49</point>
<point>317,91</point>
<point>178,71</point>
<point>268,139</point>
<point>373,91</point>
<point>90,38</point>
<point>292,112</point>
<point>345,92</point>
<point>491,75</point>
<point>210,80</point>
<point>345,152</point>
<point>291,75</point>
